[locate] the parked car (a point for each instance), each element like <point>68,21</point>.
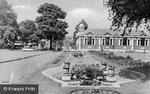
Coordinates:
<point>28,48</point>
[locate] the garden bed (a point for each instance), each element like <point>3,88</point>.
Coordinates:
<point>94,91</point>
<point>124,63</point>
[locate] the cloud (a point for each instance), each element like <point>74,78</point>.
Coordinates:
<point>16,7</point>
<point>94,18</point>
<point>25,11</point>
<point>80,12</point>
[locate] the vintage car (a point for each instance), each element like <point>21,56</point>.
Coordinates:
<point>30,47</point>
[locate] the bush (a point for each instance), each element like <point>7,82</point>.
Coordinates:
<point>126,74</point>
<point>86,82</point>
<point>120,60</point>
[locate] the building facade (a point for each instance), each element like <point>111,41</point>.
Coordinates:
<point>107,40</point>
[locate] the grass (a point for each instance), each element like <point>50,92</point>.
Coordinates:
<point>136,56</point>
<point>145,71</point>
<point>59,59</point>
<point>11,55</point>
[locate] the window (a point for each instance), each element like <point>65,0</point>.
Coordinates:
<point>111,41</point>
<point>124,41</point>
<point>103,41</point>
<point>120,42</point>
<point>146,42</point>
<point>93,41</point>
<point>85,41</point>
<point>89,40</point>
<point>128,42</point>
<point>107,40</point>
<point>81,41</point>
<point>142,41</point>
<point>139,42</point>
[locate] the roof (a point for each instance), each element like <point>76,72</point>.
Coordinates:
<point>99,32</point>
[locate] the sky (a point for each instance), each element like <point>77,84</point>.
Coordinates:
<point>92,11</point>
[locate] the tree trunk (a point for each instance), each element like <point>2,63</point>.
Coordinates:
<point>51,47</point>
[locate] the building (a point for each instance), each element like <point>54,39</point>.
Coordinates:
<point>107,40</point>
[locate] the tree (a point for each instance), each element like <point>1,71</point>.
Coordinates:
<point>128,14</point>
<point>8,37</point>
<point>8,25</point>
<point>50,23</point>
<point>7,15</point>
<point>28,31</point>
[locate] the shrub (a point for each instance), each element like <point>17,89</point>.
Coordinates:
<point>126,74</point>
<point>127,61</point>
<point>86,82</point>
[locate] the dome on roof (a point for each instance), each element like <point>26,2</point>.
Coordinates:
<point>81,25</point>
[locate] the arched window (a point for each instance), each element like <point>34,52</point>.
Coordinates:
<point>85,41</point>
<point>93,41</point>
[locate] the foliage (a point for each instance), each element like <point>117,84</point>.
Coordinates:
<point>28,31</point>
<point>85,72</point>
<point>126,74</point>
<point>127,61</point>
<point>8,37</point>
<point>7,15</point>
<point>33,38</point>
<point>128,13</point>
<point>50,23</point>
<point>77,54</point>
<point>8,25</point>
<point>86,82</point>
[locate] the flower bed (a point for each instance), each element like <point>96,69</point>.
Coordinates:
<point>127,61</point>
<point>123,62</point>
<point>94,91</point>
<point>77,54</point>
<point>87,74</point>
<point>126,74</point>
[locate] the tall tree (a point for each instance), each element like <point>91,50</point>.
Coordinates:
<point>128,14</point>
<point>7,15</point>
<point>28,30</point>
<point>8,24</point>
<point>50,23</point>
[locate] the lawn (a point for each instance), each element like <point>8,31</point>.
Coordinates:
<point>141,56</point>
<point>21,68</point>
<point>6,55</point>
